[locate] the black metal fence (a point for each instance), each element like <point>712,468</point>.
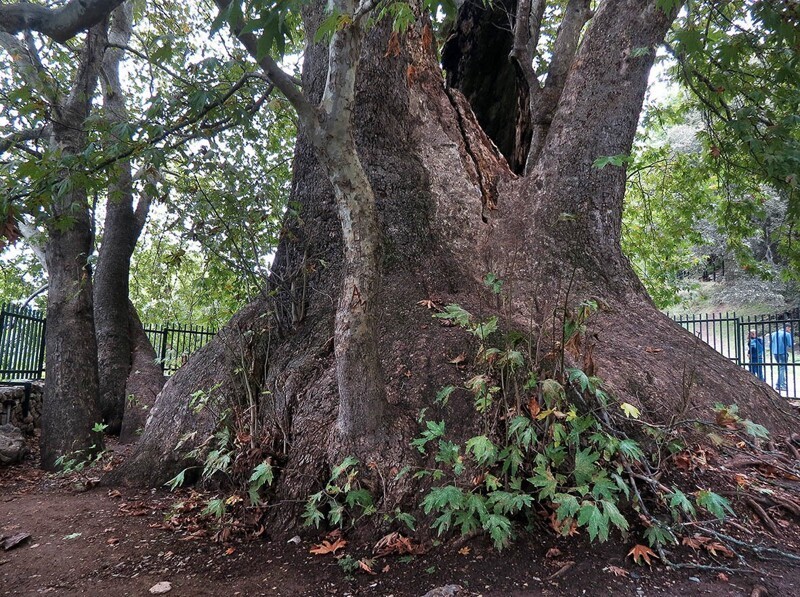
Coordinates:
<point>764,344</point>
<point>174,343</point>
<point>21,343</point>
<point>22,353</point>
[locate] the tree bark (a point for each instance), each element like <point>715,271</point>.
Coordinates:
<point>450,211</point>
<point>70,399</point>
<point>143,382</point>
<point>113,319</point>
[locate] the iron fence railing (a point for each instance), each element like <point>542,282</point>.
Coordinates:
<point>174,343</point>
<point>22,343</point>
<point>766,345</point>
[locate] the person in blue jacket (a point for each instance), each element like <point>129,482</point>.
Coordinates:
<point>756,350</point>
<point>780,344</point>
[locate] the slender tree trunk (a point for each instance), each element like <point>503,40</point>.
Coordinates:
<point>115,319</point>
<point>70,399</point>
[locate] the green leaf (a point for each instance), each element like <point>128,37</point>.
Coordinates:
<point>443,395</point>
<point>482,448</point>
<point>611,160</point>
<point>590,516</point>
<point>262,475</point>
<point>499,528</point>
<point>576,376</point>
<point>455,313</point>
<point>584,465</point>
<point>679,500</point>
<point>612,513</point>
<point>177,480</point>
<point>631,450</point>
<point>603,487</point>
<point>359,497</point>
<point>714,503</point>
<point>568,505</point>
<point>448,497</point>
<point>754,429</point>
<point>348,462</point>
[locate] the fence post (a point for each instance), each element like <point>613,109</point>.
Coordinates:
<point>163,357</point>
<point>42,344</point>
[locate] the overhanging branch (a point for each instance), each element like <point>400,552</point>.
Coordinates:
<point>60,24</point>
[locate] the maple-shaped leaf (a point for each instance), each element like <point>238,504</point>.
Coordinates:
<point>616,570</point>
<point>327,547</point>
<point>641,552</point>
<point>366,565</point>
<point>630,410</point>
<point>427,303</point>
<point>692,542</point>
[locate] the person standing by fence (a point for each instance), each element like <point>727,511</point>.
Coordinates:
<point>780,342</point>
<point>756,355</point>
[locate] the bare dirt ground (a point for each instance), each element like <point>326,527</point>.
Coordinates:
<point>101,541</point>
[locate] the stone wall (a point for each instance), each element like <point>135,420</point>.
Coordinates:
<point>12,400</point>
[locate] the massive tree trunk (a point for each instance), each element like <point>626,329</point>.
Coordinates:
<point>70,398</point>
<point>451,211</point>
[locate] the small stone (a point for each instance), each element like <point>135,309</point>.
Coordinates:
<point>445,591</point>
<point>161,587</point>
<point>296,540</point>
<point>694,579</point>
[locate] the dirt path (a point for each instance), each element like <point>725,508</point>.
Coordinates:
<point>103,542</point>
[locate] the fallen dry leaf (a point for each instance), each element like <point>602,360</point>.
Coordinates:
<point>229,551</point>
<point>533,406</point>
<point>722,576</point>
<point>327,547</point>
<point>553,552</point>
<point>642,552</point>
<point>715,547</point>
<point>652,350</point>
<point>427,303</point>
<point>459,359</point>
<point>366,566</point>
<point>692,542</point>
<point>464,551</point>
<point>616,570</point>
<point>395,543</point>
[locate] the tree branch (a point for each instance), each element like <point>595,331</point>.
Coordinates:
<point>14,139</point>
<point>282,80</point>
<point>543,104</point>
<point>527,26</point>
<point>26,65</point>
<point>59,24</point>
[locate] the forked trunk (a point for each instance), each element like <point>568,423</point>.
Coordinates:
<point>450,211</point>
